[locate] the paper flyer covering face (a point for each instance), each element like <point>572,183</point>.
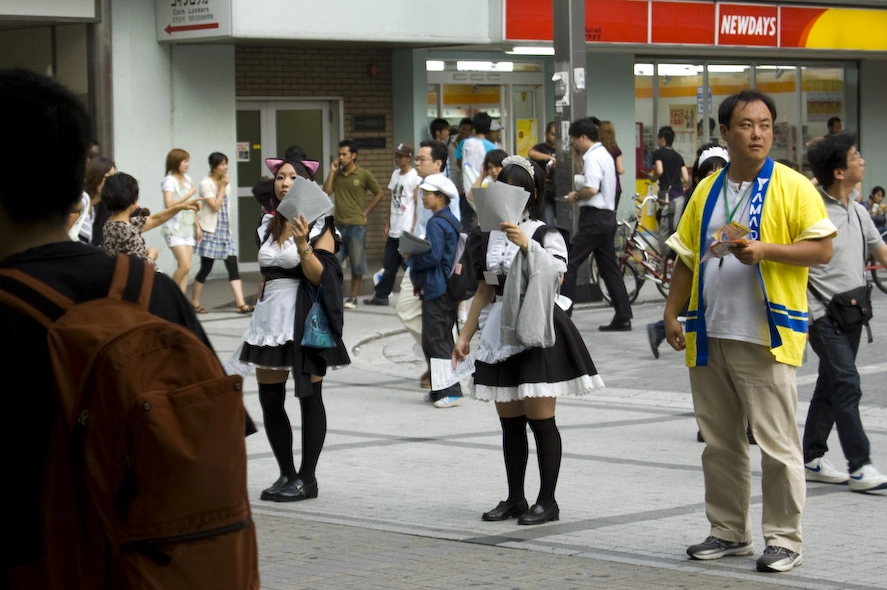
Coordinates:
<point>305,198</point>
<point>726,237</point>
<point>410,244</point>
<point>497,203</point>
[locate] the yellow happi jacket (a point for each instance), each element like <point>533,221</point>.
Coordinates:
<point>784,210</point>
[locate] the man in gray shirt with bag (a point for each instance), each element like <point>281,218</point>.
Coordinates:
<point>839,167</point>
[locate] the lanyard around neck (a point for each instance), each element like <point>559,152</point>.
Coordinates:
<point>737,207</point>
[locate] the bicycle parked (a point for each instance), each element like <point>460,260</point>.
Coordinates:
<point>878,272</point>
<point>639,256</point>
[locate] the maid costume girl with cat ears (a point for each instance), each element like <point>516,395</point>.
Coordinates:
<point>295,258</point>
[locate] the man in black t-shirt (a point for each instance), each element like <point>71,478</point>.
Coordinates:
<point>544,154</point>
<point>668,165</point>
<point>670,171</point>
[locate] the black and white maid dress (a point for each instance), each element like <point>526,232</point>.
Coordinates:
<point>529,347</point>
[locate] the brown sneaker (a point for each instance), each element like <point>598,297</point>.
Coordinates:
<point>425,380</point>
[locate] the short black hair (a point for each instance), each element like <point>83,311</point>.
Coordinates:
<point>295,152</point>
<point>466,121</point>
<point>831,121</point>
<point>350,144</point>
<point>216,159</point>
<point>439,151</point>
<point>725,111</point>
<point>42,122</point>
<point>666,133</point>
<point>437,126</point>
<point>587,126</point>
<point>481,123</point>
<point>877,189</point>
<point>829,154</point>
<point>495,157</point>
<point>119,192</point>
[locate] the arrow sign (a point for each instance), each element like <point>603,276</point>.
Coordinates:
<point>171,29</point>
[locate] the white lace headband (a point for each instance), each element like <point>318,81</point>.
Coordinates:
<point>522,162</point>
<point>713,152</point>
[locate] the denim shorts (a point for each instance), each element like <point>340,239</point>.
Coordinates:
<point>354,239</point>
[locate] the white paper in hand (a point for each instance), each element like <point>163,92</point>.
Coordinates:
<point>305,198</point>
<point>410,244</point>
<point>443,375</point>
<point>499,202</point>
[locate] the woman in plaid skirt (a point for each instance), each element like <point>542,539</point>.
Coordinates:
<point>217,242</point>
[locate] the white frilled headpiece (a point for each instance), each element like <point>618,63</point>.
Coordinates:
<point>522,162</point>
<point>713,152</point>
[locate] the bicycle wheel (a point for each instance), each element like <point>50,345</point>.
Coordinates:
<point>631,278</point>
<point>879,274</point>
<point>665,283</point>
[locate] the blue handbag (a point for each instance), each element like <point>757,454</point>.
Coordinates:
<point>317,332</point>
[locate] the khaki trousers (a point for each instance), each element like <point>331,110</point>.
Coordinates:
<point>409,308</point>
<point>744,382</point>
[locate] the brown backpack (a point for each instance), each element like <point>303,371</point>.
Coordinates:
<point>145,482</point>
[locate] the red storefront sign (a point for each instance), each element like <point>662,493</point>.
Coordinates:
<point>748,25</point>
<point>667,22</point>
<point>682,23</point>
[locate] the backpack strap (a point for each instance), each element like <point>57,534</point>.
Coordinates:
<point>32,297</point>
<point>132,281</point>
<point>453,223</point>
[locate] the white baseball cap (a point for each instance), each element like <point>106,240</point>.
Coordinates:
<point>495,126</point>
<point>441,184</point>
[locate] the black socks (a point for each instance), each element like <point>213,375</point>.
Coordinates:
<point>516,451</point>
<point>313,431</point>
<point>548,450</point>
<point>277,425</point>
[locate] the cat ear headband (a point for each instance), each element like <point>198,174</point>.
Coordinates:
<point>274,165</point>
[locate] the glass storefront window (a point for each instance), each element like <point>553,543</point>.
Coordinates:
<point>781,84</point>
<point>685,95</point>
<point>822,97</point>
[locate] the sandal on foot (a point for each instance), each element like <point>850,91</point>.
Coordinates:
<point>198,309</point>
<point>245,308</point>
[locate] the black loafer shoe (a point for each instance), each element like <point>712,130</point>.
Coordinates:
<point>295,491</point>
<point>268,494</point>
<point>653,339</point>
<point>539,515</point>
<point>614,326</point>
<point>504,511</point>
<point>374,301</point>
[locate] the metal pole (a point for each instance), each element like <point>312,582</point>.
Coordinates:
<point>100,87</point>
<point>570,105</point>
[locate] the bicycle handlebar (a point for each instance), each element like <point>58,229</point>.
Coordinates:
<point>644,201</point>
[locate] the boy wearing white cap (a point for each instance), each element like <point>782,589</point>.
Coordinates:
<point>429,272</point>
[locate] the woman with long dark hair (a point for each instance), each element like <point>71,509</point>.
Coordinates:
<point>89,229</point>
<point>530,353</point>
<point>295,259</point>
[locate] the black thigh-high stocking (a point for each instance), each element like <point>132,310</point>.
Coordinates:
<point>277,425</point>
<point>548,450</point>
<point>516,451</point>
<point>313,431</point>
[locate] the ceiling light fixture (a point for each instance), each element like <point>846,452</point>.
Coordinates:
<point>485,66</point>
<point>531,51</point>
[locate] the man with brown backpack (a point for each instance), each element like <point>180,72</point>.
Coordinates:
<point>130,469</point>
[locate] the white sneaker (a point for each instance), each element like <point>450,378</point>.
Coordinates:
<point>867,479</point>
<point>451,401</point>
<point>821,470</point>
<point>350,303</point>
